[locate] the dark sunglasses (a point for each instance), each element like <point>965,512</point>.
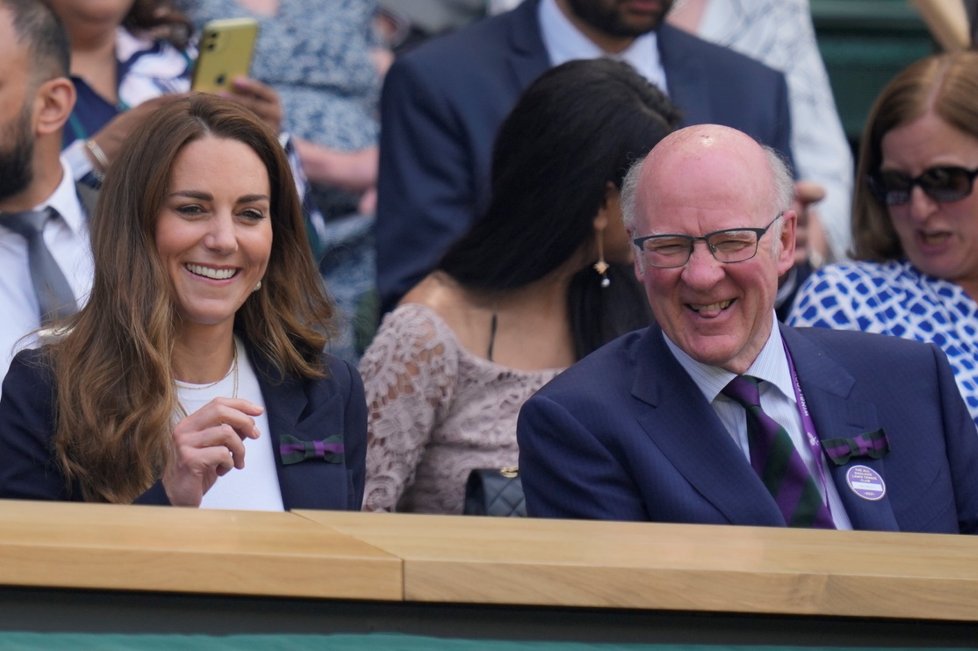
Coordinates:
<point>942,184</point>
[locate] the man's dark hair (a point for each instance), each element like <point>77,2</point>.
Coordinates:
<point>37,26</point>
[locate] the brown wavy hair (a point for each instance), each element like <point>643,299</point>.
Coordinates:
<point>946,84</point>
<point>113,372</point>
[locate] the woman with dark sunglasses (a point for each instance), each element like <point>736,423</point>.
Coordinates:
<point>915,220</point>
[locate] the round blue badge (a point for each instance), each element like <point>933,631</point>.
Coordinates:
<point>866,483</point>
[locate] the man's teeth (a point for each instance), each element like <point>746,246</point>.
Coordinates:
<point>210,272</point>
<point>712,307</point>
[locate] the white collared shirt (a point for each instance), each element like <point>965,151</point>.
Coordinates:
<point>67,239</point>
<point>777,400</point>
<point>564,42</point>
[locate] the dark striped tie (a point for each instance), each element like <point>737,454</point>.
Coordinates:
<point>775,459</point>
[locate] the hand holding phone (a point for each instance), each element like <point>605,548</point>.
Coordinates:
<point>226,48</point>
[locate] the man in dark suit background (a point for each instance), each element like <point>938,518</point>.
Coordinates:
<point>443,103</point>
<point>852,430</point>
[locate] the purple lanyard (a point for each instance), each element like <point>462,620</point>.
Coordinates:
<point>808,426</point>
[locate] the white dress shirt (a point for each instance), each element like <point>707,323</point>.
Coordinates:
<point>67,239</point>
<point>777,400</point>
<point>564,42</point>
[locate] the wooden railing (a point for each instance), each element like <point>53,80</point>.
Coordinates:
<point>53,549</point>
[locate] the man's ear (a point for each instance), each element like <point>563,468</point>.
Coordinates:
<point>786,257</point>
<point>53,104</point>
<point>639,267</point>
<point>638,261</point>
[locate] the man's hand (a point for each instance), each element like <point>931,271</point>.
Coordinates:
<point>810,240</point>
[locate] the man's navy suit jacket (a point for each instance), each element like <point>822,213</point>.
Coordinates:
<point>627,435</point>
<point>308,410</point>
<point>443,103</point>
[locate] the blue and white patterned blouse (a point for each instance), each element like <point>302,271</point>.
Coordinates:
<point>894,298</point>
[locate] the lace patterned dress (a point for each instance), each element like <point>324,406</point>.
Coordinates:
<point>435,412</point>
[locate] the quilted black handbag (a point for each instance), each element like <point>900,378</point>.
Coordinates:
<point>495,491</point>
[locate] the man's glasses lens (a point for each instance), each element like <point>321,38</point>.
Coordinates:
<point>942,184</point>
<point>732,245</point>
<point>728,246</point>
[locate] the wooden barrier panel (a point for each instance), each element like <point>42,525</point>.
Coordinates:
<point>102,546</point>
<point>127,569</point>
<point>674,567</point>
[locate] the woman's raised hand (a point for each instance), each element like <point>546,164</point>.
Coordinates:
<point>208,444</point>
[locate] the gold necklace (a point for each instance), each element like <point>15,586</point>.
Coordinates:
<point>233,371</point>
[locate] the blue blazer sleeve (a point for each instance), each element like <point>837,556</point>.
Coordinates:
<point>961,443</point>
<point>27,466</point>
<point>567,472</point>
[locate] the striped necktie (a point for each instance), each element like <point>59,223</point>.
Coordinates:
<point>775,459</point>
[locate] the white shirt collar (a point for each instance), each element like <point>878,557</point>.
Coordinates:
<point>65,200</point>
<point>771,365</point>
<point>564,42</point>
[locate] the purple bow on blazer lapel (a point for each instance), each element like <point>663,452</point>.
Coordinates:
<point>683,425</point>
<point>290,414</point>
<point>827,387</point>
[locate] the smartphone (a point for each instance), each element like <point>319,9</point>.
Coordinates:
<point>225,51</point>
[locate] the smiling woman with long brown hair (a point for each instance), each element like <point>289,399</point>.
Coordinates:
<point>201,343</point>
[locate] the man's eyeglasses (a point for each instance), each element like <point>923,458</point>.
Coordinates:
<point>942,184</point>
<point>729,245</point>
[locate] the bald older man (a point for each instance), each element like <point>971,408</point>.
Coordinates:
<point>720,415</point>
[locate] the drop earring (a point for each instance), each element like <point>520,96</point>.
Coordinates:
<point>601,267</point>
<point>257,287</point>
